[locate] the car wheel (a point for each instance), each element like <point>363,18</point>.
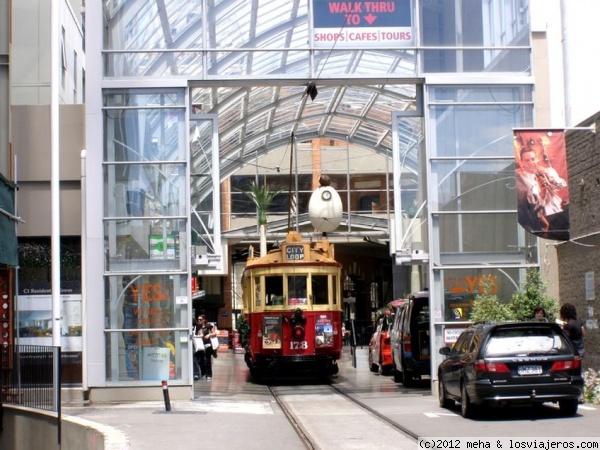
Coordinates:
<point>398,376</point>
<point>445,402</point>
<point>568,407</point>
<point>466,407</point>
<point>372,366</point>
<point>407,379</point>
<point>383,370</point>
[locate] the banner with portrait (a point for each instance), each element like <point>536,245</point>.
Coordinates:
<point>542,182</point>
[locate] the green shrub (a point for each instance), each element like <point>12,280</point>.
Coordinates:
<point>488,306</point>
<point>243,327</point>
<point>532,295</point>
<point>591,391</point>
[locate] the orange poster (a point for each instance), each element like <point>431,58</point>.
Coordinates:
<point>542,183</point>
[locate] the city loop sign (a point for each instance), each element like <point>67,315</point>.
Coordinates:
<point>381,24</point>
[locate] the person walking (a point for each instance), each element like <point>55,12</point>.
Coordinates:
<point>207,331</point>
<point>573,325</point>
<point>198,349</point>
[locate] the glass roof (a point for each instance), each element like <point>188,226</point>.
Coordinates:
<point>263,118</point>
<point>250,62</point>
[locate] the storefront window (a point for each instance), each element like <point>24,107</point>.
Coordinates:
<point>148,306</point>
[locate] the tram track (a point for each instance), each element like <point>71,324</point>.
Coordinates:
<point>327,416</point>
<point>376,413</point>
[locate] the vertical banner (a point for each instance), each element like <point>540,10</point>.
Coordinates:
<point>542,189</point>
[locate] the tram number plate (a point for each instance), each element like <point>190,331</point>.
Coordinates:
<point>298,345</point>
<point>530,370</point>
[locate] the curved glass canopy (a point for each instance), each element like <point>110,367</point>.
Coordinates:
<point>263,52</point>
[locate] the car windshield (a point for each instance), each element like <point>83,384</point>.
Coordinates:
<point>526,342</point>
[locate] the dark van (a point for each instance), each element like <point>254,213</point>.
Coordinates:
<point>410,341</point>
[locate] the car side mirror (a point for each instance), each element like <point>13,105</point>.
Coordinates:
<point>445,351</point>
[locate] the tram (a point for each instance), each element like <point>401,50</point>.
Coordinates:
<point>292,301</point>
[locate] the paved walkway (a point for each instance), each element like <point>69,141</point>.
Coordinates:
<point>228,412</point>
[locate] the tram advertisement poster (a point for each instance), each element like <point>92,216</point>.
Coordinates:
<point>272,332</point>
<point>324,331</point>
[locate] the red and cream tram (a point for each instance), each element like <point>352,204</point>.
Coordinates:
<point>292,302</point>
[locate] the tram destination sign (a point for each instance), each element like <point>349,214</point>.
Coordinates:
<point>294,253</point>
<point>378,24</point>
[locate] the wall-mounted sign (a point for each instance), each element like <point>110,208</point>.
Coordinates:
<point>362,24</point>
<point>590,290</point>
<point>155,363</point>
<point>452,334</point>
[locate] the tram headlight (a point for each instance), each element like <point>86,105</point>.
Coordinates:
<point>298,332</point>
<point>297,321</point>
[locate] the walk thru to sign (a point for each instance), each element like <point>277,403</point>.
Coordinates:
<point>373,23</point>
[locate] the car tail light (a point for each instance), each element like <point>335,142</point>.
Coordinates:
<point>482,366</point>
<point>406,344</point>
<point>566,365</point>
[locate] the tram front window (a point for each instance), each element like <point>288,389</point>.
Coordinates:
<point>319,290</point>
<point>274,290</point>
<point>297,290</point>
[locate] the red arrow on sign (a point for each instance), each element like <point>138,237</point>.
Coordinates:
<point>370,19</point>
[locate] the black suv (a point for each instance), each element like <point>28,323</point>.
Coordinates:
<point>513,362</point>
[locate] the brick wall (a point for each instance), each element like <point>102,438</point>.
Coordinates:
<point>581,255</point>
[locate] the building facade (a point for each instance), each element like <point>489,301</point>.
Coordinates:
<point>28,83</point>
<point>186,103</point>
<point>410,112</point>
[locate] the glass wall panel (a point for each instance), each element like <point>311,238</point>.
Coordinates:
<point>235,63</point>
<point>158,244</point>
<point>368,63</point>
<point>148,190</point>
<point>154,64</point>
<point>462,285</point>
<point>147,305</point>
<point>474,23</point>
<point>483,60</point>
<point>474,237</point>
<point>474,185</point>
<point>202,196</point>
<point>144,127</point>
<point>482,94</point>
<point>477,130</point>
<point>137,25</point>
<point>236,23</point>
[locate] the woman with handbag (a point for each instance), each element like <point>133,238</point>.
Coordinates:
<point>198,344</point>
<point>208,331</point>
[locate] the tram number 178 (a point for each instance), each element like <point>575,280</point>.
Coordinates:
<point>298,345</point>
